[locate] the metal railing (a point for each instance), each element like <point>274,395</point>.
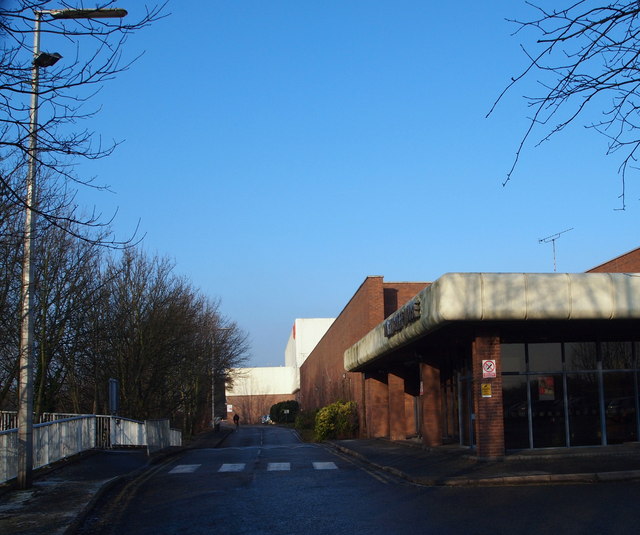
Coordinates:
<point>9,419</point>
<point>51,442</point>
<point>61,438</point>
<point>124,431</point>
<point>160,435</point>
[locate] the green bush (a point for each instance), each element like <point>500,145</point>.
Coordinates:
<point>306,420</point>
<point>284,412</point>
<point>337,421</point>
<point>305,424</point>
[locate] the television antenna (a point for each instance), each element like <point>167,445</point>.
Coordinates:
<point>553,239</point>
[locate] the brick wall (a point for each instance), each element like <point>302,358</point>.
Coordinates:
<point>323,378</point>
<point>251,408</point>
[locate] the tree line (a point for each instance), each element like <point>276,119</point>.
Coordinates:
<point>101,314</point>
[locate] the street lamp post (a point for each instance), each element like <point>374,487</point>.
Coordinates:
<point>25,393</point>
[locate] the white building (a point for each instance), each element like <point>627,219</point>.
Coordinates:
<point>305,335</point>
<point>255,390</point>
<point>263,381</point>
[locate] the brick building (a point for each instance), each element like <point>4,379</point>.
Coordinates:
<point>323,378</point>
<point>493,361</point>
<point>626,263</point>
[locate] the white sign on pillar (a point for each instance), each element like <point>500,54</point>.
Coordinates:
<point>488,369</point>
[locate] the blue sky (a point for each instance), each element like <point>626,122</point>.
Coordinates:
<point>280,152</point>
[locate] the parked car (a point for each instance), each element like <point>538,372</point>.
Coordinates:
<point>621,409</point>
<point>266,419</point>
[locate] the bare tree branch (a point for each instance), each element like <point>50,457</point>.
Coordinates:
<point>94,50</point>
<point>589,62</point>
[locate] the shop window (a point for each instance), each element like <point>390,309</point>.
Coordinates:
<point>616,355</point>
<point>584,409</point>
<point>545,357</point>
<point>547,411</point>
<point>516,421</point>
<point>513,358</point>
<point>621,406</point>
<point>542,419</point>
<point>466,409</point>
<point>580,356</point>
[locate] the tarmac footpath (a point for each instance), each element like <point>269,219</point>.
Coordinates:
<point>456,466</point>
<point>65,492</point>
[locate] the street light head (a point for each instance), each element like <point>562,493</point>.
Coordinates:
<point>87,13</point>
<point>44,59</point>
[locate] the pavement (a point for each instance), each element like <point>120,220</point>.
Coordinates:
<point>455,465</point>
<point>64,494</point>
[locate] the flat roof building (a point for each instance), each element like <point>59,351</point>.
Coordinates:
<point>509,360</point>
<point>493,361</point>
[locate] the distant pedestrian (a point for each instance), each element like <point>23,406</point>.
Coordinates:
<point>236,420</point>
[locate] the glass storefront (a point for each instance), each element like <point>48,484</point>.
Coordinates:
<point>569,394</point>
<point>516,421</point>
<point>620,407</point>
<point>584,409</point>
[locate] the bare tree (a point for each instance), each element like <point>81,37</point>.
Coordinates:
<point>163,340</point>
<point>67,283</point>
<point>68,289</point>
<point>588,60</point>
<point>95,55</point>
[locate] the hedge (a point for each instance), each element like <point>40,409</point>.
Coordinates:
<point>284,412</point>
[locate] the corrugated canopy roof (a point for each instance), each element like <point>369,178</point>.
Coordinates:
<point>496,297</point>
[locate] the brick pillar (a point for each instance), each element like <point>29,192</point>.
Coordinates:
<point>377,405</point>
<point>397,423</point>
<point>431,405</point>
<point>489,423</point>
<point>409,414</point>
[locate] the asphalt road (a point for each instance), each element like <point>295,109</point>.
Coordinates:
<point>263,480</point>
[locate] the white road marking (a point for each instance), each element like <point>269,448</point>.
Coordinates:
<point>239,467</point>
<point>325,466</point>
<point>231,467</point>
<point>185,469</point>
<point>274,467</point>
